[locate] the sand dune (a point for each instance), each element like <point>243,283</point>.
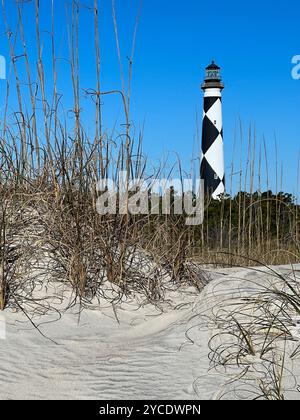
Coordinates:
<point>139,352</point>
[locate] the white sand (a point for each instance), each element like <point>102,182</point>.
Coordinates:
<point>147,355</point>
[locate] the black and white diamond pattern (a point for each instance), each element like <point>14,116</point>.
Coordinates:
<point>212,165</point>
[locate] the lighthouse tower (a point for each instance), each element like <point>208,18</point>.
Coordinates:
<point>212,164</point>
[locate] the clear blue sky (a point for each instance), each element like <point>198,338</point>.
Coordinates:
<point>253,42</point>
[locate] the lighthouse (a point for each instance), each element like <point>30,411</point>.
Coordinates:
<point>212,163</point>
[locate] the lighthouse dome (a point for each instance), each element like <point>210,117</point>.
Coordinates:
<point>213,66</point>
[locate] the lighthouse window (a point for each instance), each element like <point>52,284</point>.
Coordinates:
<point>213,74</point>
